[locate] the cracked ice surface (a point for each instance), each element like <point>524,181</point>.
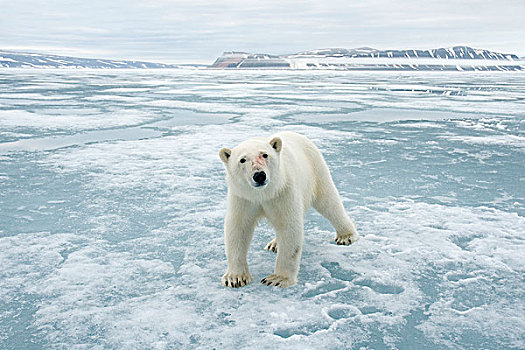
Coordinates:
<point>116,242</point>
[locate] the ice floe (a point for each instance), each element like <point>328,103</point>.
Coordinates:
<point>111,220</point>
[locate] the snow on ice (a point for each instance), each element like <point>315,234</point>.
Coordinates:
<point>112,199</point>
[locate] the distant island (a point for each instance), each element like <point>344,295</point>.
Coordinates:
<point>457,58</point>
<point>14,59</point>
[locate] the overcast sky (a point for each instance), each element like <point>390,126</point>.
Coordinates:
<point>195,31</point>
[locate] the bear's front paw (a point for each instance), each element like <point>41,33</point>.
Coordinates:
<point>236,280</point>
<point>272,246</point>
<point>278,281</point>
<point>347,239</point>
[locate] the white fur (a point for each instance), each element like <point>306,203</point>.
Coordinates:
<point>297,179</point>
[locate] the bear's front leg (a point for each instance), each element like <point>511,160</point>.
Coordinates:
<point>241,218</point>
<point>289,238</point>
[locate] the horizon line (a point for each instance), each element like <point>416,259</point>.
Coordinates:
<point>154,61</point>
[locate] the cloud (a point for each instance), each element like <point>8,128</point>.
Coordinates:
<point>197,31</point>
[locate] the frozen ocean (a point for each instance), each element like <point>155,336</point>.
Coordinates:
<point>112,199</point>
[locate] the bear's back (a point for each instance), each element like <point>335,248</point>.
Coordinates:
<point>299,147</point>
<point>303,163</point>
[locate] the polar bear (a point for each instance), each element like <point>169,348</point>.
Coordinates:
<point>279,179</point>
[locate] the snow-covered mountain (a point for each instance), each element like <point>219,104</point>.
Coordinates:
<point>12,59</point>
<point>365,58</point>
<point>456,52</point>
<point>456,58</point>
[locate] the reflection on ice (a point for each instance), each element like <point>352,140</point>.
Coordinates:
<point>146,131</point>
<point>382,115</point>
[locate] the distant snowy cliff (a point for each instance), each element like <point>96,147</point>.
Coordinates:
<point>456,58</point>
<point>12,59</point>
<point>456,52</point>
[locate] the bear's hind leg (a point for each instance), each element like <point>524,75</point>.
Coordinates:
<point>272,246</point>
<point>329,205</point>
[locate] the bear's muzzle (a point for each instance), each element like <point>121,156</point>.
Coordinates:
<point>259,178</point>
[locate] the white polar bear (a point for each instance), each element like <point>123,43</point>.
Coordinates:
<point>277,178</point>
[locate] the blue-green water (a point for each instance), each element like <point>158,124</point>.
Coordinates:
<point>112,199</point>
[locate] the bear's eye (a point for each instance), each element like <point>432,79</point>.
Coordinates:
<point>243,160</point>
<point>265,155</point>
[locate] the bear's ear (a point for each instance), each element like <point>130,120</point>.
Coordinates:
<point>225,154</point>
<point>277,143</point>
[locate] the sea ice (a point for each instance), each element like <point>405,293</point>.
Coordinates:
<point>111,222</point>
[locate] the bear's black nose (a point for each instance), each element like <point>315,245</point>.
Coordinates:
<point>259,177</point>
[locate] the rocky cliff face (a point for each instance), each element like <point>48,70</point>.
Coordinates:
<point>456,52</point>
<point>458,58</point>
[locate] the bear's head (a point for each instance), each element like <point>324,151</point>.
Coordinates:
<point>253,165</point>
